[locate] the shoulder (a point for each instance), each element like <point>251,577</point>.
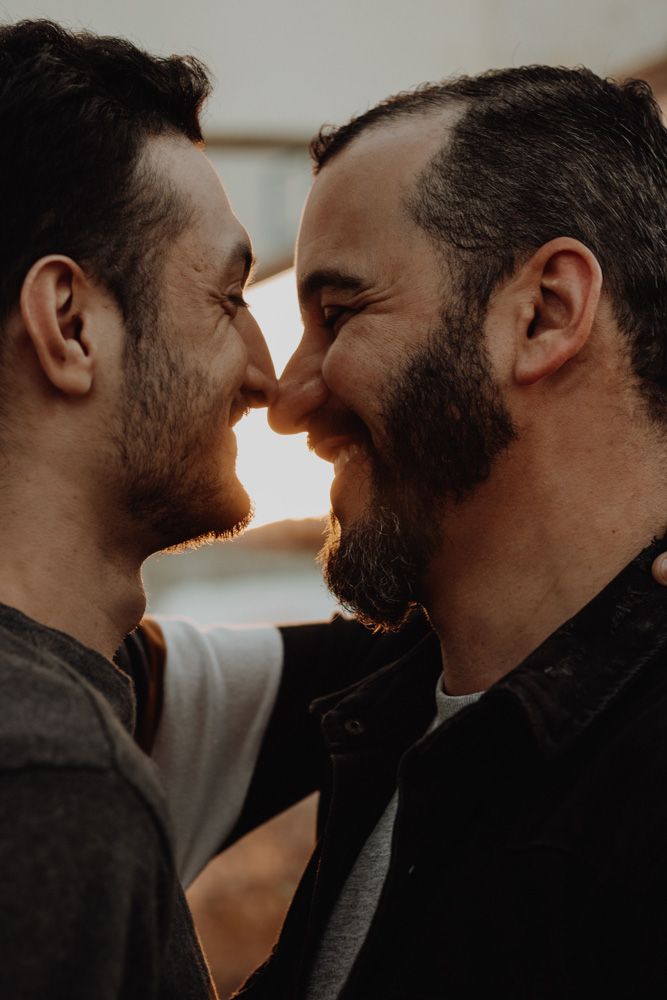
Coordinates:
<point>77,819</point>
<point>85,864</point>
<point>54,719</point>
<point>50,716</point>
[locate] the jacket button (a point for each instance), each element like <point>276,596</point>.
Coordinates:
<point>354,727</point>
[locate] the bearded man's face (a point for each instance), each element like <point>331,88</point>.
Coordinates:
<point>391,379</point>
<point>444,422</point>
<point>195,359</point>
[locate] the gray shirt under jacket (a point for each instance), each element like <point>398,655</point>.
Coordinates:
<point>90,906</point>
<point>355,908</point>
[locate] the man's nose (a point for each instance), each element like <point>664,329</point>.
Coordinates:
<point>301,392</point>
<point>260,386</point>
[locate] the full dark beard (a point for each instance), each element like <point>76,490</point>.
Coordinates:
<point>169,423</point>
<point>371,568</point>
<point>445,423</point>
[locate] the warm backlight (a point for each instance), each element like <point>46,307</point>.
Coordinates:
<point>283,478</point>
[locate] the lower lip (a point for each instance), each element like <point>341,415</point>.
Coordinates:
<point>351,469</point>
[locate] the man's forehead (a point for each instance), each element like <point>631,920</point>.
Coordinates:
<point>395,150</point>
<point>409,138</point>
<point>214,235</point>
<point>357,202</point>
<point>378,167</point>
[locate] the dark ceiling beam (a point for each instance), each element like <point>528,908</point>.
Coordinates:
<point>267,269</point>
<point>227,140</point>
<point>655,74</point>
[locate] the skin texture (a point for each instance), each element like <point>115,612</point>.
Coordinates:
<point>446,393</point>
<point>568,502</point>
<point>95,476</point>
<point>659,569</point>
<point>199,363</point>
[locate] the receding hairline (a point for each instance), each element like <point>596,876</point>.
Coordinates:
<point>450,107</point>
<point>153,176</point>
<point>421,157</point>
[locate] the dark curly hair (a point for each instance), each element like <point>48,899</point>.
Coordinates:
<point>75,113</point>
<point>539,152</point>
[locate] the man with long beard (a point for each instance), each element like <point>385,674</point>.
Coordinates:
<point>481,270</point>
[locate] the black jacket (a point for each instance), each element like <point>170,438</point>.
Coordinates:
<point>529,856</point>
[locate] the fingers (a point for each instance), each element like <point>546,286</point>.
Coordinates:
<point>659,568</point>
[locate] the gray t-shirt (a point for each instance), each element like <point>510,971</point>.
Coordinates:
<point>89,899</point>
<point>354,910</point>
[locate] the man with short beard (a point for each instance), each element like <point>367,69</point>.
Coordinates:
<point>481,270</point>
<point>127,356</point>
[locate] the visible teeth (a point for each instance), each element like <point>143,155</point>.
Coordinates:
<point>344,456</point>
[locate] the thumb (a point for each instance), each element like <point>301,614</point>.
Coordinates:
<point>659,568</point>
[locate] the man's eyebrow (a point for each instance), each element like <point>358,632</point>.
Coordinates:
<point>241,252</point>
<point>315,281</point>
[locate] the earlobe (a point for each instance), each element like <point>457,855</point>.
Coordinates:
<point>56,323</point>
<point>566,283</point>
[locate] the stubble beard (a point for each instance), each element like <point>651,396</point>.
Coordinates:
<point>445,422</point>
<point>173,485</point>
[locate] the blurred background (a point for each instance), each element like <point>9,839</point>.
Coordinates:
<point>282,68</point>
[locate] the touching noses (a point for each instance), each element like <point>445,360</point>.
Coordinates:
<point>301,392</point>
<point>260,386</point>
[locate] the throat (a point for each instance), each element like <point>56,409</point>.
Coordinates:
<point>492,610</point>
<point>95,601</point>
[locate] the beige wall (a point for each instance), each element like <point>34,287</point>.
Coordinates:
<point>285,65</point>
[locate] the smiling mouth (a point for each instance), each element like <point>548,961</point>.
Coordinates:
<point>345,454</point>
<point>338,438</point>
<point>337,449</point>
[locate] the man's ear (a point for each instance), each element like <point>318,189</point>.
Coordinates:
<point>566,281</point>
<point>54,314</point>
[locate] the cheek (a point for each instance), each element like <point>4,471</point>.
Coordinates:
<point>352,372</point>
<point>227,358</point>
<point>366,355</point>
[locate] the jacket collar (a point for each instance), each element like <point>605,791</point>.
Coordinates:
<point>561,688</point>
<point>583,667</point>
<point>392,706</point>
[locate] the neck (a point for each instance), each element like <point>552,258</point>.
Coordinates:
<point>63,567</point>
<point>509,574</point>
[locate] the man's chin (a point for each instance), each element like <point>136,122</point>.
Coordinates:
<point>365,568</point>
<point>220,534</point>
<point>351,492</point>
<point>204,525</point>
